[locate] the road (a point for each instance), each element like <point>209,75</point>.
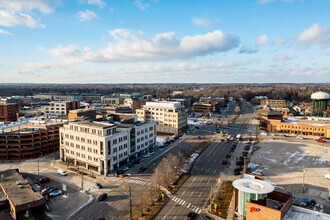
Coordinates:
<point>194,193</point>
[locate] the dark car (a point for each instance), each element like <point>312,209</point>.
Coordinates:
<point>223,162</point>
<point>246,147</point>
<point>97,185</point>
<point>191,215</point>
<point>102,197</point>
<point>245,153</point>
<point>142,169</point>
<point>312,203</point>
<point>230,150</point>
<point>43,180</point>
<point>228,156</point>
<point>239,163</point>
<point>130,165</point>
<point>119,172</point>
<point>237,172</point>
<point>161,146</point>
<point>136,162</point>
<point>197,127</point>
<point>238,169</point>
<point>247,144</point>
<point>52,188</point>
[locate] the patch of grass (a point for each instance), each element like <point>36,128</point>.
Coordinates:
<point>223,199</point>
<point>153,210</point>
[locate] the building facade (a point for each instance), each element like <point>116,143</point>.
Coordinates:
<point>170,117</point>
<point>8,112</point>
<point>59,97</point>
<point>30,139</point>
<point>60,109</point>
<point>274,103</point>
<point>104,147</point>
<point>82,114</point>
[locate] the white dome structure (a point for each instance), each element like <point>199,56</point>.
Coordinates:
<point>320,96</point>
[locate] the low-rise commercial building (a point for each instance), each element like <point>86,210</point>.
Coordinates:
<point>29,139</point>
<point>170,117</point>
<point>82,114</point>
<point>21,198</point>
<point>8,112</point>
<point>275,122</point>
<point>103,147</point>
<point>275,103</point>
<point>59,97</point>
<point>60,109</point>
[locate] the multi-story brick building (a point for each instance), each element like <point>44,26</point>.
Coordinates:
<point>82,114</point>
<point>170,117</point>
<point>60,109</point>
<point>29,139</point>
<point>104,147</point>
<point>8,112</point>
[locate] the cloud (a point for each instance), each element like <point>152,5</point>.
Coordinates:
<point>2,31</point>
<point>130,46</point>
<point>141,5</point>
<point>86,15</point>
<point>248,50</point>
<point>281,57</point>
<point>99,3</point>
<point>315,35</point>
<point>262,39</point>
<point>202,22</point>
<point>280,42</point>
<point>33,68</point>
<point>22,13</point>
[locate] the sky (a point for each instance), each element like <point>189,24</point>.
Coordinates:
<point>164,41</point>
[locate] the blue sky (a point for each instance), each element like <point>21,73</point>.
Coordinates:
<point>164,41</point>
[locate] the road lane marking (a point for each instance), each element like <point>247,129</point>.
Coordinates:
<point>189,205</point>
<point>164,217</point>
<point>183,193</point>
<point>194,179</point>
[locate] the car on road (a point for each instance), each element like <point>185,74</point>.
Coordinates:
<point>224,162</point>
<point>161,146</point>
<point>141,160</point>
<point>312,203</point>
<point>119,172</point>
<point>102,197</point>
<point>191,215</point>
<point>43,180</point>
<point>55,193</point>
<point>62,172</point>
<point>257,173</point>
<point>237,172</point>
<point>239,163</point>
<point>247,144</point>
<point>142,169</point>
<point>321,141</point>
<point>227,155</point>
<point>151,152</point>
<point>230,150</point>
<point>197,127</point>
<point>130,165</point>
<point>97,185</point>
<point>246,148</point>
<point>327,176</point>
<point>52,188</point>
<point>136,162</point>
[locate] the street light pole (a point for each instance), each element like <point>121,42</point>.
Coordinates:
<point>303,182</point>
<point>130,204</point>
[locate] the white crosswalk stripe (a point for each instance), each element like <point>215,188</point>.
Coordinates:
<point>175,198</point>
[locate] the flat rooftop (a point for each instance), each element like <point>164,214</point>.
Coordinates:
<point>253,186</point>
<point>94,124</point>
<point>305,214</point>
<point>163,104</point>
<point>16,195</point>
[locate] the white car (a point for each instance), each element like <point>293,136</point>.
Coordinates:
<point>62,172</point>
<point>146,155</point>
<point>327,176</point>
<point>55,193</point>
<point>151,153</point>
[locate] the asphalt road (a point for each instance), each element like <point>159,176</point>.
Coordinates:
<point>194,193</point>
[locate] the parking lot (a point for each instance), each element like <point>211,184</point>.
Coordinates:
<point>287,162</point>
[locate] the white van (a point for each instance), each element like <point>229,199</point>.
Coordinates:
<point>62,172</point>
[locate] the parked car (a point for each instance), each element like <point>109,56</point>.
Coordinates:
<point>245,153</point>
<point>312,203</point>
<point>191,215</point>
<point>119,172</point>
<point>257,173</point>
<point>43,180</point>
<point>52,188</point>
<point>197,127</point>
<point>141,160</point>
<point>146,155</point>
<point>97,185</point>
<point>304,202</point>
<point>142,169</point>
<point>227,155</point>
<point>62,172</point>
<point>151,152</point>
<point>136,162</point>
<point>161,146</point>
<point>55,193</point>
<point>125,168</point>
<point>247,144</point>
<point>237,172</point>
<point>327,176</point>
<point>223,162</point>
<point>321,141</point>
<point>246,147</point>
<point>102,197</point>
<point>239,163</point>
<point>130,165</point>
<point>230,150</point>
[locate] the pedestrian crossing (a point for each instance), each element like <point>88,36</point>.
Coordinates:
<point>186,204</point>
<point>137,181</point>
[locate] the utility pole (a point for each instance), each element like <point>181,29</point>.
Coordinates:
<point>303,182</point>
<point>130,204</point>
<point>82,181</point>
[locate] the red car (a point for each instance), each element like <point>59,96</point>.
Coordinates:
<point>230,151</point>
<point>43,180</point>
<point>320,141</point>
<point>223,162</point>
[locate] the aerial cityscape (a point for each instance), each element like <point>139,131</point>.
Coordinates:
<point>164,110</point>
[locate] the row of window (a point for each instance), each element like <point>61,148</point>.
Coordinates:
<point>304,128</point>
<point>95,159</point>
<point>81,139</point>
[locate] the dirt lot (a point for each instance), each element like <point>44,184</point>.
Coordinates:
<point>282,162</point>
